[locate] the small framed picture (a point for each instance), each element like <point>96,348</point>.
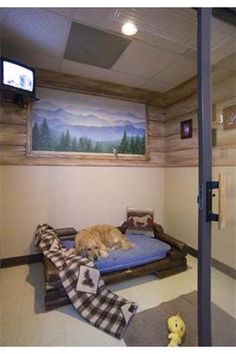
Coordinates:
<point>229,117</point>
<point>186,129</point>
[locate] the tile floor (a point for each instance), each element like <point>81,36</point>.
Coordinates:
<point>24,322</point>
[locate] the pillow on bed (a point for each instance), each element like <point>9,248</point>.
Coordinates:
<point>140,222</point>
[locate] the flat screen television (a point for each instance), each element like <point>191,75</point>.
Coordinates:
<point>17,78</point>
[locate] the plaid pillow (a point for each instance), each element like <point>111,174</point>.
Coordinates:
<point>140,222</point>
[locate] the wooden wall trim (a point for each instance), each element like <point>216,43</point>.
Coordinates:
<point>16,261</point>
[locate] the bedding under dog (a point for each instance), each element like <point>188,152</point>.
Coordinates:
<point>103,309</point>
<point>146,250</point>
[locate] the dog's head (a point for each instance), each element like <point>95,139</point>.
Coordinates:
<point>89,246</point>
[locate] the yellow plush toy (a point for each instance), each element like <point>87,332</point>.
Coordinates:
<point>177,329</point>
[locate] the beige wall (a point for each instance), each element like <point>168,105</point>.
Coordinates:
<point>181,211</point>
<point>72,196</point>
<point>181,203</point>
<point>81,196</point>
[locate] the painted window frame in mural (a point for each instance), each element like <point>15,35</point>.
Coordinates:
<point>102,127</point>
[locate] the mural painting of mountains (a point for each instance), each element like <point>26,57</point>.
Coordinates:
<point>66,121</point>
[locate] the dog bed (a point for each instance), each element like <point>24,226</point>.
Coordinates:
<point>162,255</point>
<point>146,250</point>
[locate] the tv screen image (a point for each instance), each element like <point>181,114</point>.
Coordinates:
<point>18,76</point>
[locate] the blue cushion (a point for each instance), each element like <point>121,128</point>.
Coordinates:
<point>146,250</point>
<point>68,243</point>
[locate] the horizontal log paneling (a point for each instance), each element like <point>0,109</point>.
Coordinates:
<point>156,144</point>
<point>180,92</point>
<point>185,158</point>
<point>156,129</point>
<point>182,158</point>
<point>176,112</point>
<point>12,134</point>
<point>189,87</point>
<point>224,156</point>
<point>158,159</point>
<point>165,146</point>
<point>224,90</point>
<point>12,155</point>
<point>12,114</point>
<point>67,82</point>
<point>181,108</point>
<point>225,137</point>
<point>174,143</point>
<point>184,152</point>
<point>156,113</point>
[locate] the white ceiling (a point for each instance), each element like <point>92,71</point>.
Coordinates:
<point>161,55</point>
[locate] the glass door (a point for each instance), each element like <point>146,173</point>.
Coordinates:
<point>217,177</point>
<point>223,244</point>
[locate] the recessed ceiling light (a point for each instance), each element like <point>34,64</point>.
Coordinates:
<point>129,28</point>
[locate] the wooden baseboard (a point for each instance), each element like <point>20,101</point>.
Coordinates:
<point>222,267</point>
<point>15,261</point>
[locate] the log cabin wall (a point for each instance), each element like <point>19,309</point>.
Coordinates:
<point>180,104</point>
<point>164,115</point>
<point>13,124</point>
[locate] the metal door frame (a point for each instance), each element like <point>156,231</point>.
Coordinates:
<point>205,174</point>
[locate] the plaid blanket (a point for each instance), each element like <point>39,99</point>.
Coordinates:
<point>104,310</point>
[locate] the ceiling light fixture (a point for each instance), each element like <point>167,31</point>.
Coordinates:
<point>129,28</point>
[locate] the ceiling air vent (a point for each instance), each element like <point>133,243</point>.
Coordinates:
<point>91,46</point>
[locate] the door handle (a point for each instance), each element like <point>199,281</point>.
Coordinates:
<point>221,186</point>
<point>222,201</point>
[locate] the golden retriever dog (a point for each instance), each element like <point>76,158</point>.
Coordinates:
<point>97,240</point>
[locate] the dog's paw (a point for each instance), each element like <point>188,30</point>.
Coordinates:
<point>104,254</point>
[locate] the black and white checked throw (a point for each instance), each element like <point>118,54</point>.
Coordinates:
<point>104,310</point>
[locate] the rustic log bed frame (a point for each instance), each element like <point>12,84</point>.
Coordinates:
<point>173,263</point>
